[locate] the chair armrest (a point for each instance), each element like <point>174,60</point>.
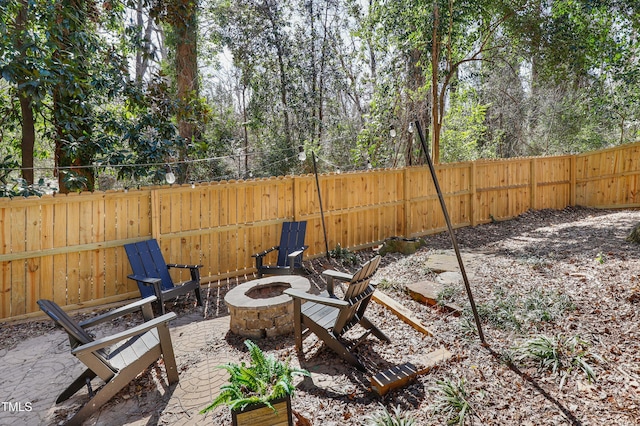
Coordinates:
<point>144,280</point>
<point>267,251</point>
<point>331,275</point>
<point>137,330</point>
<point>295,254</point>
<point>329,301</point>
<point>342,276</point>
<point>178,265</point>
<point>123,310</point>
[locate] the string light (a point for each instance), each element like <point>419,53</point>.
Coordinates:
<point>392,131</point>
<point>169,176</point>
<point>302,156</point>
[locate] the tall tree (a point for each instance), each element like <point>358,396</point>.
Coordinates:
<point>26,109</point>
<point>441,36</point>
<point>182,17</point>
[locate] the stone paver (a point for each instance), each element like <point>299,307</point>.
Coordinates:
<point>38,369</point>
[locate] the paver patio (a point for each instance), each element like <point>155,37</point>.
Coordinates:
<point>37,369</point>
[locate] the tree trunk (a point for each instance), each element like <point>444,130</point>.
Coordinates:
<point>28,124</point>
<point>80,131</point>
<point>28,138</point>
<point>186,65</point>
<point>435,101</point>
<point>277,39</point>
<point>143,54</point>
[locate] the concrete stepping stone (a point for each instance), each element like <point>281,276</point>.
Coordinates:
<point>427,292</point>
<point>445,262</point>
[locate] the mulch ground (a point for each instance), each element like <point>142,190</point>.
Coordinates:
<point>562,274</point>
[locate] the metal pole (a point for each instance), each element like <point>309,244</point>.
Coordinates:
<point>451,233</point>
<point>324,229</point>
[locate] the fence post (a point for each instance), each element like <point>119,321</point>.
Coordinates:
<point>534,184</point>
<point>407,202</point>
<point>294,197</point>
<point>573,170</point>
<point>472,194</point>
<point>155,215</point>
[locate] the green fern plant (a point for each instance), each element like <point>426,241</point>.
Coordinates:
<point>266,379</point>
<point>382,417</point>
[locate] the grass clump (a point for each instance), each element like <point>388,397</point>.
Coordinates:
<point>452,401</point>
<point>558,354</point>
<point>386,284</point>
<point>541,306</point>
<point>446,295</point>
<point>517,312</point>
<point>382,417</point>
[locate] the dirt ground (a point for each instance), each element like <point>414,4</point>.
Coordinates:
<point>564,274</point>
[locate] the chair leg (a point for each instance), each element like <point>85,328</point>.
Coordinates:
<point>77,384</point>
<point>364,322</point>
<point>167,354</point>
<point>330,340</point>
<point>112,387</point>
<point>259,266</point>
<point>158,290</point>
<point>297,322</point>
<point>198,295</point>
<point>161,303</point>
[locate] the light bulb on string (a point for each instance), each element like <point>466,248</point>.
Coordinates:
<point>169,176</point>
<point>302,156</point>
<point>369,165</point>
<point>392,132</point>
<point>410,129</point>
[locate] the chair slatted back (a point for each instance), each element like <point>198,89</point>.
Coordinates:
<point>358,293</point>
<point>291,239</point>
<point>77,335</point>
<point>146,260</point>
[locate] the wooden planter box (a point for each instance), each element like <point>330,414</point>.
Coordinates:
<point>261,415</point>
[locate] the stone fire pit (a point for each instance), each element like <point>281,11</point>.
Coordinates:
<point>259,308</point>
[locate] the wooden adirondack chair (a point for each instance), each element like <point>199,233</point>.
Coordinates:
<point>289,251</point>
<point>116,359</point>
<point>329,317</point>
<point>152,273</point>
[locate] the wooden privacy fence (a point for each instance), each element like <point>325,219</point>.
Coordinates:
<point>69,248</point>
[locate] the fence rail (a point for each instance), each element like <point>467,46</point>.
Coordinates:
<point>69,248</point>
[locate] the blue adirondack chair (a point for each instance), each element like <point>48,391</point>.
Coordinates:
<point>152,273</point>
<point>290,251</point>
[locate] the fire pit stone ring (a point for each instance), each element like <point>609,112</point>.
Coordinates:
<point>259,308</point>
